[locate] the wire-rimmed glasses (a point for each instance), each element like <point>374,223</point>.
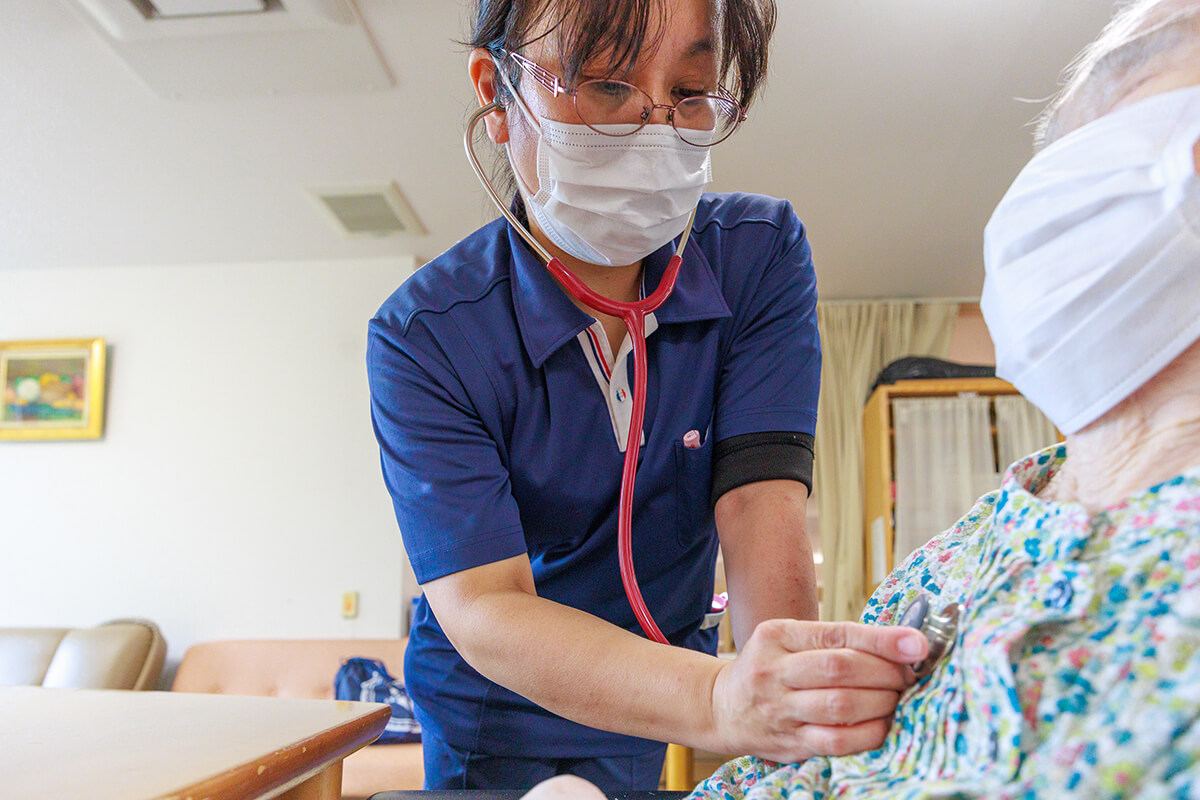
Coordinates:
<point>616,108</point>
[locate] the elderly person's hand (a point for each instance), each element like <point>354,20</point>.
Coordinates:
<point>803,689</point>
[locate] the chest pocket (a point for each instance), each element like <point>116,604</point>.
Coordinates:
<point>693,488</point>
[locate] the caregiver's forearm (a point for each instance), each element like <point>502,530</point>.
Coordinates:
<point>768,558</point>
<point>572,663</point>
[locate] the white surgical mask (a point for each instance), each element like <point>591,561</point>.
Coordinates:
<point>612,200</point>
<point>1093,260</point>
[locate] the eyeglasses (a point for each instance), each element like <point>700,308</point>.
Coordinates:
<point>616,108</point>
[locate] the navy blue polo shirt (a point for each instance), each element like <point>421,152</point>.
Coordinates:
<point>501,417</point>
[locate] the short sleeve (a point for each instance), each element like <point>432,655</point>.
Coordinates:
<point>771,370</point>
<point>451,492</point>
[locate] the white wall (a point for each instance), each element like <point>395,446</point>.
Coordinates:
<point>237,490</point>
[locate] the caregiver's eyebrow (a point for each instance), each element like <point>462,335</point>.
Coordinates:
<point>701,47</point>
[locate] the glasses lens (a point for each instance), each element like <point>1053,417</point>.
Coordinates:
<point>706,120</point>
<point>613,107</point>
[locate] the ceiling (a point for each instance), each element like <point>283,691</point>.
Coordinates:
<point>893,126</point>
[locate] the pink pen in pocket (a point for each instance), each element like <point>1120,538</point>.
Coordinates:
<point>691,440</point>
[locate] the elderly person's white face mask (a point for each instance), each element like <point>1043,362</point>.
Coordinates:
<point>1093,259</point>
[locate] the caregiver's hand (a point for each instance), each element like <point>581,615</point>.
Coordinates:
<point>803,689</point>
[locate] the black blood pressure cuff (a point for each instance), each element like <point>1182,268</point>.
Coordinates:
<point>778,455</point>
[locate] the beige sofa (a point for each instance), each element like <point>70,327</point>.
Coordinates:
<point>123,654</point>
<point>305,668</point>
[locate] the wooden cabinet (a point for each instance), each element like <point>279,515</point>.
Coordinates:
<point>879,534</point>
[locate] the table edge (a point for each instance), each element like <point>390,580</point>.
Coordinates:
<point>291,764</point>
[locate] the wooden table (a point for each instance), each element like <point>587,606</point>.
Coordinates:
<point>114,745</point>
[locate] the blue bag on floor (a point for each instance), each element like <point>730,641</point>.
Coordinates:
<point>367,680</point>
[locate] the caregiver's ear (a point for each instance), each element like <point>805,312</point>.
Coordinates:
<point>482,70</point>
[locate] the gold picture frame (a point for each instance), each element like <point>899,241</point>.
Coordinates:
<point>52,389</point>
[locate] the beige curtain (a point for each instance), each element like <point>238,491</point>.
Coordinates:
<point>857,340</point>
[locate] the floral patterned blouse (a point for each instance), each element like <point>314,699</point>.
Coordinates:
<point>1076,672</point>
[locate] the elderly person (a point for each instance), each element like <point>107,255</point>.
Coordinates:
<point>1075,670</point>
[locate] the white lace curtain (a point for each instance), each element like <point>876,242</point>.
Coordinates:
<point>1020,429</point>
<point>857,340</point>
<point>943,463</point>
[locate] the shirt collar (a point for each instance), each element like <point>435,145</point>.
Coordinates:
<point>548,319</point>
<point>1049,530</point>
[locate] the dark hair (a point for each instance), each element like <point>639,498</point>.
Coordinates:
<point>618,31</point>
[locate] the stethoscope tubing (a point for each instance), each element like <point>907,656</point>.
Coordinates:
<point>633,315</point>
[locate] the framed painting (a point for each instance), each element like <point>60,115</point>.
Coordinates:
<point>52,389</point>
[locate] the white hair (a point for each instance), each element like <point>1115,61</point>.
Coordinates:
<point>1144,37</point>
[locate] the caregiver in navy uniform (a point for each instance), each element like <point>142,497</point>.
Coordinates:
<point>501,407</point>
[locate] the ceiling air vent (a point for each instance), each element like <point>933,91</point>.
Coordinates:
<point>374,210</point>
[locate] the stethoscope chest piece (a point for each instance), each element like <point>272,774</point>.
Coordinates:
<point>940,630</point>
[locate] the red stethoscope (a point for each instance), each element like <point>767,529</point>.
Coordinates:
<point>634,317</point>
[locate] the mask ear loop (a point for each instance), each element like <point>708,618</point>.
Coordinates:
<point>468,144</point>
<point>520,101</point>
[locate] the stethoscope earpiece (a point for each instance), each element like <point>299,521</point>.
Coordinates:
<point>940,630</point>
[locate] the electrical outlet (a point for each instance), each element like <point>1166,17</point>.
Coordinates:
<point>349,605</point>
